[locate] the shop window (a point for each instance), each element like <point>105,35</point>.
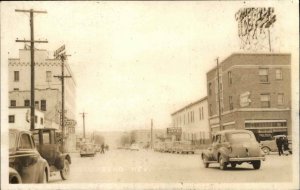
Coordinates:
<point>264,75</point>
<point>209,88</point>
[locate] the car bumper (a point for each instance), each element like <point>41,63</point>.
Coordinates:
<point>247,159</point>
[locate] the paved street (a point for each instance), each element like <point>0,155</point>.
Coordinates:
<point>144,166</point>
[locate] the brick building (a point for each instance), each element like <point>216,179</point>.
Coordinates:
<point>47,89</point>
<point>192,119</point>
<point>254,93</point>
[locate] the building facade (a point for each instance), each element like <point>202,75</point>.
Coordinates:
<point>253,91</point>
<point>47,89</point>
<point>193,122</point>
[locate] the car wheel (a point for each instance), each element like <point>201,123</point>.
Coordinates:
<point>256,164</point>
<point>266,150</point>
<point>65,172</point>
<point>233,165</point>
<point>222,162</point>
<point>204,159</point>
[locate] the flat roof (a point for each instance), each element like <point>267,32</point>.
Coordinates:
<point>189,105</point>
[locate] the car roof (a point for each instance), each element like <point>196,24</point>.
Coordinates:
<point>44,129</point>
<point>16,129</point>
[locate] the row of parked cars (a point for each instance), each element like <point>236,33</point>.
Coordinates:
<point>178,147</point>
<point>35,155</point>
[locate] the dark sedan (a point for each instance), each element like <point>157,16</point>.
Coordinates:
<point>25,163</point>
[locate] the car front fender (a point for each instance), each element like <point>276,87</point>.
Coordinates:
<point>225,153</point>
<point>208,154</point>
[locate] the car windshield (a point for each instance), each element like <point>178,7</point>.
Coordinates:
<point>12,140</point>
<point>239,137</point>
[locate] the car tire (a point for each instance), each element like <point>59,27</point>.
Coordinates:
<point>256,164</point>
<point>266,150</point>
<point>65,172</point>
<point>204,159</point>
<point>222,162</point>
<point>233,164</point>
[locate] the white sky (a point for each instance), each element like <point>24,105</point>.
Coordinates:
<point>134,61</point>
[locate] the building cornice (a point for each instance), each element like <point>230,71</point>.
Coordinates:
<point>189,105</point>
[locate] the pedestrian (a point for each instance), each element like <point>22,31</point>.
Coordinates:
<point>279,143</point>
<point>102,149</point>
<point>286,146</point>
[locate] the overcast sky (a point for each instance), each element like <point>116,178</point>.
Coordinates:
<point>134,61</point>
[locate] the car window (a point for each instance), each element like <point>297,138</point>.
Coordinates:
<point>36,138</point>
<point>239,137</point>
<point>12,140</point>
<point>25,142</point>
<point>46,138</point>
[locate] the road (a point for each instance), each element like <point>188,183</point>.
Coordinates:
<point>125,166</point>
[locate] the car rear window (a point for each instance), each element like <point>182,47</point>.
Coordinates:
<point>239,137</point>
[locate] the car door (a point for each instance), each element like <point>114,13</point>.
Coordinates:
<point>216,145</point>
<point>27,159</point>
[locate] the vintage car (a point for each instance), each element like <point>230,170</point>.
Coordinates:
<point>183,147</point>
<point>134,147</point>
<point>87,149</point>
<point>26,165</point>
<point>233,147</point>
<point>270,145</point>
<point>49,144</point>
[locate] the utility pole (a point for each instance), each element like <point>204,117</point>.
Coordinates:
<point>83,119</point>
<point>219,98</point>
<point>151,133</point>
<point>62,77</point>
<point>32,41</point>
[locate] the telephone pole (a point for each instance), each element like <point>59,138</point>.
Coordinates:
<point>219,98</point>
<point>32,41</point>
<point>62,57</point>
<point>83,119</point>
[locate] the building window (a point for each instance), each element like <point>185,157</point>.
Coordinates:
<point>11,119</point>
<point>35,119</point>
<point>42,121</point>
<point>229,77</point>
<point>13,103</point>
<point>209,88</point>
<point>37,105</point>
<point>27,103</point>
<point>264,75</point>
<point>202,113</point>
<point>16,76</point>
<point>16,89</point>
<point>210,110</point>
<point>265,100</point>
<point>48,76</point>
<point>230,103</point>
<point>278,74</point>
<point>280,99</point>
<point>43,105</point>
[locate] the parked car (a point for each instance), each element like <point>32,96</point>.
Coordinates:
<point>233,147</point>
<point>87,149</point>
<point>26,165</point>
<point>49,145</point>
<point>134,147</point>
<point>268,146</point>
<point>183,147</point>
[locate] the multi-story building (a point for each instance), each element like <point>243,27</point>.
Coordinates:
<point>192,119</point>
<point>47,89</point>
<point>253,91</point>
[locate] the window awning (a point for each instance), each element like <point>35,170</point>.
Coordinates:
<point>265,121</point>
